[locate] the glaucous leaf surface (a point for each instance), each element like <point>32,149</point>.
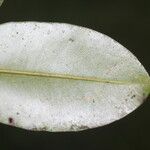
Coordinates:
<point>61,77</point>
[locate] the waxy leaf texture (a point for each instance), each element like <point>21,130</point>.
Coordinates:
<point>62,77</point>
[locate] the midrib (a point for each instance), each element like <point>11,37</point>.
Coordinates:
<point>67,76</point>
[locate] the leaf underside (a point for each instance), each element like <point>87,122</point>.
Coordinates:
<point>61,77</point>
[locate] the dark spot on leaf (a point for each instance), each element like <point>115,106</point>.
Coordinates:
<point>93,101</point>
<point>132,96</point>
<point>17,32</point>
<point>71,40</point>
<point>17,113</point>
<point>10,120</point>
<point>107,82</point>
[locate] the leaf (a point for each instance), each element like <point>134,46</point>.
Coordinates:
<point>1,1</point>
<point>61,77</point>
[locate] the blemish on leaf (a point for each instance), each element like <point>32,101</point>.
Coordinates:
<point>10,120</point>
<point>71,40</point>
<point>132,96</point>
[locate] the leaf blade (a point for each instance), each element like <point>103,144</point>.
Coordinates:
<point>67,52</point>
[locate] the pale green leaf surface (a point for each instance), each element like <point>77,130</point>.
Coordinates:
<point>61,77</point>
<point>1,1</point>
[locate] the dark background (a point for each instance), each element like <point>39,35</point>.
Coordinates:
<point>128,22</point>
